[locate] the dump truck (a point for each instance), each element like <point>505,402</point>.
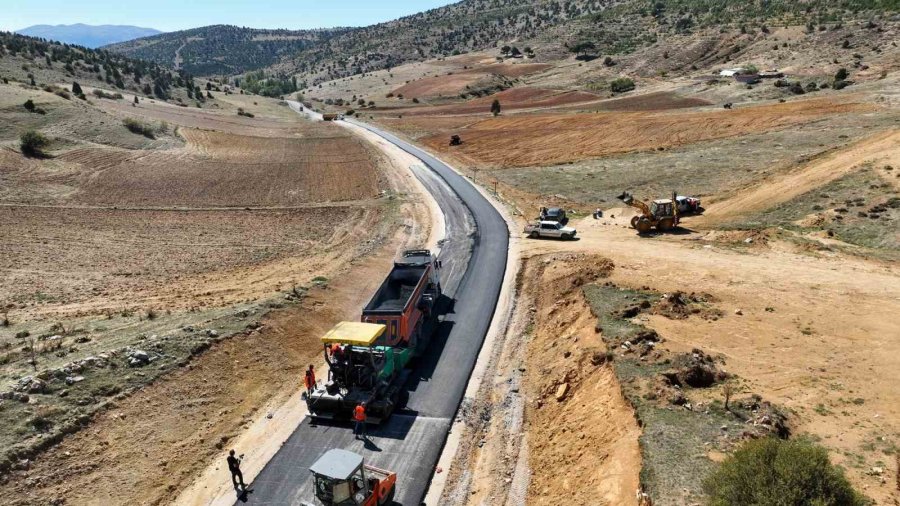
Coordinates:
<point>405,301</point>
<point>367,360</point>
<point>661,214</point>
<point>330,117</point>
<point>342,478</point>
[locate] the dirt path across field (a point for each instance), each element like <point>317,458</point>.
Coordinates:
<point>880,149</point>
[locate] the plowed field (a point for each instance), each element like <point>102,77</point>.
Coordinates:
<point>456,82</point>
<point>544,139</point>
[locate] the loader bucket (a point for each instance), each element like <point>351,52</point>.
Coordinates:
<point>626,198</point>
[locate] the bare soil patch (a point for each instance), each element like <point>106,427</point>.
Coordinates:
<point>557,138</point>
<point>513,99</point>
<point>455,82</point>
<point>656,101</point>
<point>810,335</point>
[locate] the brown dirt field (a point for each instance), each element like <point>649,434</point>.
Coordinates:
<point>224,121</point>
<point>216,169</point>
<point>416,127</point>
<point>451,85</point>
<point>880,149</point>
<point>513,99</point>
<point>825,342</point>
<point>559,138</point>
<point>656,101</point>
<point>88,261</point>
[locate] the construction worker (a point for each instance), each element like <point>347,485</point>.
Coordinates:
<point>310,380</point>
<point>234,465</point>
<point>359,416</point>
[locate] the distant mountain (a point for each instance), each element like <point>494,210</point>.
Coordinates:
<point>88,35</point>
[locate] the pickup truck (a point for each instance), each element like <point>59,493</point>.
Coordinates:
<point>552,229</point>
<point>688,205</point>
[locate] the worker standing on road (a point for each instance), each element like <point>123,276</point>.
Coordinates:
<point>310,380</point>
<point>234,465</point>
<point>359,416</point>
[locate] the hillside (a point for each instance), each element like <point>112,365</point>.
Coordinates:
<point>41,63</point>
<point>613,26</point>
<point>223,49</point>
<point>92,36</point>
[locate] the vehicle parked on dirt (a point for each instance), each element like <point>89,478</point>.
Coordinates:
<point>455,140</point>
<point>661,214</point>
<point>554,214</point>
<point>551,229</point>
<point>688,205</point>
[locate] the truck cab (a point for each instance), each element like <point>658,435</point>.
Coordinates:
<point>343,479</point>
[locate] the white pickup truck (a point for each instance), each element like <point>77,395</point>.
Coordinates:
<point>552,229</point>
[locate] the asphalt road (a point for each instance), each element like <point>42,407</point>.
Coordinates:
<point>474,256</point>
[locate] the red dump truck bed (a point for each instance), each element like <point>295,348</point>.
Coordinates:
<point>406,298</point>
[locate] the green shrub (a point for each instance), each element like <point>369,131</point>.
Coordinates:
<point>139,127</point>
<point>111,96</point>
<point>621,85</point>
<point>840,85</point>
<point>841,74</point>
<point>29,105</point>
<point>33,143</point>
<point>773,472</point>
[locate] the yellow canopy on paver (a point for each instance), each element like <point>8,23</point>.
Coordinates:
<point>354,333</point>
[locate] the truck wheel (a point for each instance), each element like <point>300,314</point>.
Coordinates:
<point>388,498</point>
<point>634,221</point>
<point>567,237</point>
<point>643,226</point>
<point>665,225</point>
<point>534,235</point>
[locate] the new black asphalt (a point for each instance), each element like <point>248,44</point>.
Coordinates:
<point>474,255</point>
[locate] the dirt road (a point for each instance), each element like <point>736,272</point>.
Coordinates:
<point>880,150</point>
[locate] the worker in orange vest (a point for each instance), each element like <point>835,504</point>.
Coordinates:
<point>359,416</point>
<point>310,380</point>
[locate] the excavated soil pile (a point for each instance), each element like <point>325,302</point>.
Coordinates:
<point>577,419</point>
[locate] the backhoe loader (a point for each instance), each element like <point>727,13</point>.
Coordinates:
<point>661,214</point>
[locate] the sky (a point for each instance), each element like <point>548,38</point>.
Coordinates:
<point>173,15</point>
